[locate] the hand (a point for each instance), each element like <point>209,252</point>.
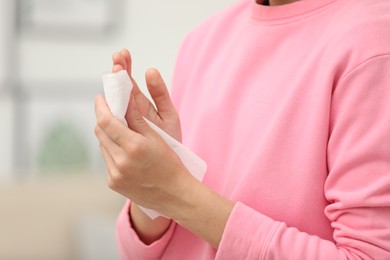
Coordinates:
<point>141,165</point>
<point>166,116</point>
<point>143,168</point>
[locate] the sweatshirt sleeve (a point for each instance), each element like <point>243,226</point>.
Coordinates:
<point>129,244</point>
<point>357,187</point>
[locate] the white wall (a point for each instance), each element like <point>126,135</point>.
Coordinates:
<point>151,30</point>
<point>5,31</point>
<point>6,104</point>
<point>6,135</point>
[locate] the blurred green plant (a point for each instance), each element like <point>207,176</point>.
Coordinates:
<point>63,149</point>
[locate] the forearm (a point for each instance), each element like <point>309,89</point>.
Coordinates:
<point>148,230</point>
<point>202,211</point>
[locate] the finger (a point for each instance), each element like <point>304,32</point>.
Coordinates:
<point>136,121</point>
<point>127,60</point>
<point>110,164</point>
<point>159,92</point>
<point>118,59</point>
<point>143,102</point>
<point>126,55</point>
<point>114,129</point>
<point>107,159</point>
<point>144,106</point>
<point>105,142</point>
<point>112,170</point>
<point>116,68</point>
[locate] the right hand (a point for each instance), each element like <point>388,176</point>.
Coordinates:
<point>164,115</point>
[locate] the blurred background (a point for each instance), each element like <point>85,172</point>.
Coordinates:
<point>54,201</point>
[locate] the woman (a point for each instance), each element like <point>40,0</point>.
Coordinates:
<point>289,106</point>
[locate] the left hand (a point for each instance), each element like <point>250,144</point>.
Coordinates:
<point>163,113</point>
<point>141,165</point>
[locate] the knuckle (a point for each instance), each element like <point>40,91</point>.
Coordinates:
<point>129,148</point>
<point>104,121</point>
<point>140,149</point>
<point>116,138</point>
<point>97,130</point>
<point>121,163</point>
<point>114,180</point>
<point>112,184</point>
<point>136,148</point>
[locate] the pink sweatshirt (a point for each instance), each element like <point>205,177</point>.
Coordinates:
<point>290,108</point>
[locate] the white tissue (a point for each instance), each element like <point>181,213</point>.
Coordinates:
<point>117,88</point>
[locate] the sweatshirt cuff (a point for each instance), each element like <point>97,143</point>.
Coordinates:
<point>130,245</point>
<point>247,234</point>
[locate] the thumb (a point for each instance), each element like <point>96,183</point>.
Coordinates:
<point>159,92</point>
<point>135,120</point>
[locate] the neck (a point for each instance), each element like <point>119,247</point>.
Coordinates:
<point>277,2</point>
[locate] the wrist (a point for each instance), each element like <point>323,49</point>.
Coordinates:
<point>202,211</point>
<point>148,230</point>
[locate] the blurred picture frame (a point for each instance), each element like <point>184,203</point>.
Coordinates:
<point>69,17</point>
<point>54,123</point>
<point>7,25</point>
